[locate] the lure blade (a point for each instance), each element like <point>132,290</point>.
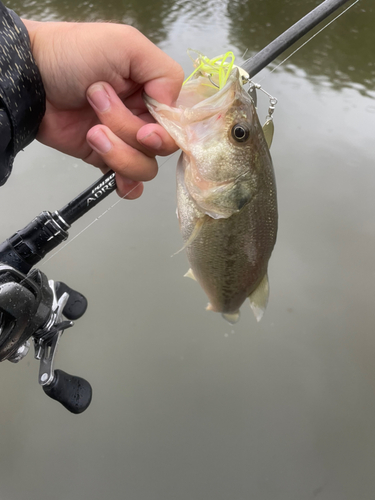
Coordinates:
<point>268,130</point>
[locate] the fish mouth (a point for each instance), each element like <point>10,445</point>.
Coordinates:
<point>198,100</point>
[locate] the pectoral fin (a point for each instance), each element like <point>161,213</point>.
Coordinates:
<point>197,229</point>
<point>259,298</point>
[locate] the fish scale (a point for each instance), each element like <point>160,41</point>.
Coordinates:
<point>226,192</point>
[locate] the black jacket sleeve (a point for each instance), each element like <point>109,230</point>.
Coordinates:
<point>22,95</point>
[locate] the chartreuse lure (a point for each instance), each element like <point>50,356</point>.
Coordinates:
<point>217,71</point>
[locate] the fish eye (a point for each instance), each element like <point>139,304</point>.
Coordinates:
<point>240,132</point>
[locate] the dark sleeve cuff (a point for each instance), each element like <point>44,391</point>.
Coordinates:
<point>22,95</point>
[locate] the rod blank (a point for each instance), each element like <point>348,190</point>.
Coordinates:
<point>258,62</point>
<point>106,184</point>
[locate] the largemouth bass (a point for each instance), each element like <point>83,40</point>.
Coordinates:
<point>226,191</point>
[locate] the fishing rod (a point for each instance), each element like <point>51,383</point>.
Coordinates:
<point>29,245</point>
<point>33,307</point>
<point>259,61</point>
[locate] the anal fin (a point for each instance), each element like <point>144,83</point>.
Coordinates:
<point>232,318</point>
<point>259,298</point>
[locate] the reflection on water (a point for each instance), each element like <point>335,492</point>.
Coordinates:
<point>151,18</point>
<point>343,53</point>
<point>186,407</point>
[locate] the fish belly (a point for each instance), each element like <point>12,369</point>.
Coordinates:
<point>229,257</point>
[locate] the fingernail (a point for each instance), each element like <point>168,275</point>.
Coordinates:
<point>125,187</point>
<point>98,97</point>
<point>129,186</point>
<point>152,141</point>
<point>99,142</point>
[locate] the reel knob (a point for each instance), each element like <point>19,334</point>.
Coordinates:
<point>73,392</point>
<point>77,303</point>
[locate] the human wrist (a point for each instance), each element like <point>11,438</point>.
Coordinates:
<point>22,95</point>
<point>31,27</point>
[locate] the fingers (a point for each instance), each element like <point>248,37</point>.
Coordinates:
<point>131,166</point>
<point>155,138</point>
<point>127,139</point>
<point>130,122</point>
<point>115,144</point>
<point>160,75</point>
<point>120,156</point>
<point>128,189</point>
<point>111,112</point>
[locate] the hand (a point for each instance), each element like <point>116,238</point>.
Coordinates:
<point>94,75</point>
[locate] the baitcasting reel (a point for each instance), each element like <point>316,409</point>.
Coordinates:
<point>31,307</point>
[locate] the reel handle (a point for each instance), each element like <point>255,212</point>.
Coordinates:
<point>77,303</point>
<point>73,392</point>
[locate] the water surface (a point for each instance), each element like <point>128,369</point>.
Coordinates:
<point>186,406</point>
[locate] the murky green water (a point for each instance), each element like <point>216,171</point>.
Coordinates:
<point>186,407</point>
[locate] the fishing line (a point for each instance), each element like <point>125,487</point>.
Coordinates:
<point>244,54</point>
<point>307,41</point>
<point>89,225</point>
<point>99,217</point>
<point>126,194</point>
